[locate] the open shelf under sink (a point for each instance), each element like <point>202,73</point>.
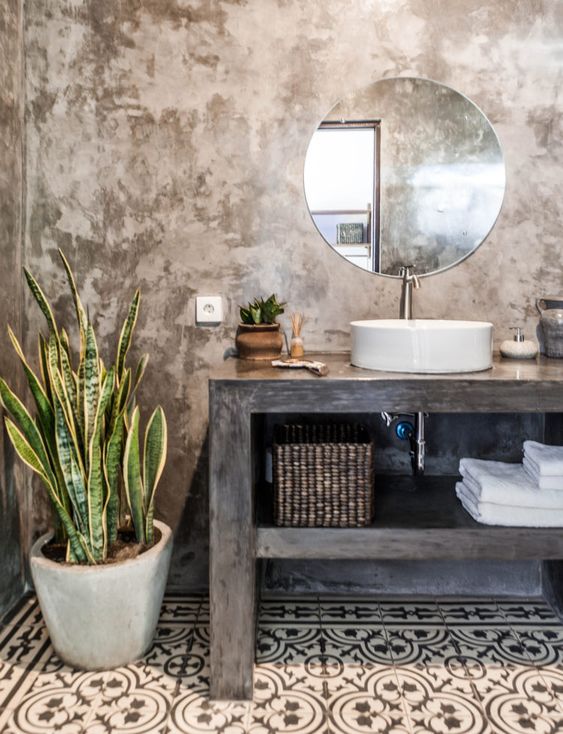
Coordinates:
<point>415,518</point>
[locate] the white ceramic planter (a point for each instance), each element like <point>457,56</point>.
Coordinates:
<point>101,617</point>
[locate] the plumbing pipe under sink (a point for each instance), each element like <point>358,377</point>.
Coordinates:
<point>415,434</point>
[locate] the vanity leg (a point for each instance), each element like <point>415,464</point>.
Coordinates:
<point>232,548</point>
<point>552,571</point>
<point>552,583</point>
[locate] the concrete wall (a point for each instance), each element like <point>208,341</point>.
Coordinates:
<point>11,187</point>
<point>166,141</point>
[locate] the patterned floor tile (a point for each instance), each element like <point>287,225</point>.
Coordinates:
<point>287,644</point>
<point>185,610</point>
<point>543,644</point>
<point>21,645</point>
<point>286,701</point>
<point>127,703</point>
<point>26,610</point>
<point>435,659</point>
<point>515,695</point>
<point>375,706</point>
<point>288,612</point>
<point>491,645</point>
<point>193,713</point>
<point>357,645</point>
<point>544,648</point>
<point>520,702</point>
<point>421,644</point>
<point>521,613</point>
<point>359,612</point>
<point>459,613</point>
<point>410,613</point>
<point>434,707</point>
<point>22,650</point>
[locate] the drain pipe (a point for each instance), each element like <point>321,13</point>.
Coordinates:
<point>414,434</point>
<point>418,445</point>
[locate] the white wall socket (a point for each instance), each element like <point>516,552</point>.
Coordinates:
<point>208,310</point>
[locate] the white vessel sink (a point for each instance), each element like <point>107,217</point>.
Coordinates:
<point>422,345</point>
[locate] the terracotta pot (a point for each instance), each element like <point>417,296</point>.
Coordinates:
<point>259,341</point>
<point>101,617</point>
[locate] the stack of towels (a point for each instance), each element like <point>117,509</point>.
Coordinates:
<point>528,494</point>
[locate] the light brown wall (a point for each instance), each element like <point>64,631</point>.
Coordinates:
<point>166,141</point>
<point>11,188</point>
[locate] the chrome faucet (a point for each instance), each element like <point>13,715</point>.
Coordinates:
<point>410,281</point>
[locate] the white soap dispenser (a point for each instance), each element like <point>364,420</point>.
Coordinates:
<point>519,347</point>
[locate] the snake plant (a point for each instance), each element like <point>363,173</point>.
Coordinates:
<point>84,440</point>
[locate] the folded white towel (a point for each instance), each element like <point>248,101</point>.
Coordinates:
<point>548,458</point>
<point>515,489</point>
<point>506,484</point>
<point>543,482</point>
<point>489,513</point>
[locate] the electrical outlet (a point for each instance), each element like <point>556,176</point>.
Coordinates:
<point>208,310</point>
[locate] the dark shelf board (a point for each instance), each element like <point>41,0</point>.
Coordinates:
<point>415,518</point>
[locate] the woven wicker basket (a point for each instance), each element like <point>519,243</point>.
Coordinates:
<point>323,476</point>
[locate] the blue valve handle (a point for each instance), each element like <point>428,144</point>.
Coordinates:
<point>404,430</point>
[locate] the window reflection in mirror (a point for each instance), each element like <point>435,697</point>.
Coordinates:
<point>405,171</point>
<point>341,176</point>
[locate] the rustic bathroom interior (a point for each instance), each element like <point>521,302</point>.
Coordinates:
<point>389,172</point>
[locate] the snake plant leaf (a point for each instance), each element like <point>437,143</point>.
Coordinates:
<point>119,398</point>
<point>25,450</point>
<point>65,343</point>
<point>108,388</point>
<point>96,478</point>
<point>96,498</point>
<point>41,300</point>
<point>112,467</point>
<point>80,312</point>
<point>132,477</point>
<point>139,372</point>
<point>19,413</point>
<point>91,383</point>
<point>46,417</point>
<point>72,472</point>
<point>58,388</point>
<point>42,350</point>
<point>154,458</point>
<point>124,390</point>
<point>53,362</point>
<point>80,395</point>
<point>45,414</point>
<point>68,378</point>
<point>44,409</point>
<point>127,333</point>
<point>30,458</point>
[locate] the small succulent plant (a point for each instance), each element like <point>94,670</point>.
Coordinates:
<point>262,311</point>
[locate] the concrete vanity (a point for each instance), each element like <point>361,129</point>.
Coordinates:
<point>416,518</point>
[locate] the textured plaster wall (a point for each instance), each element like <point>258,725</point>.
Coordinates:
<point>11,184</point>
<point>166,141</point>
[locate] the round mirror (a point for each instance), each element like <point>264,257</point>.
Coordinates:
<point>405,171</point>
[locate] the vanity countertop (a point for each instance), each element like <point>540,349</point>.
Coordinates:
<point>541,369</point>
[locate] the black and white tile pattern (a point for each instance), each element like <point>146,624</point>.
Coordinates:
<point>323,666</point>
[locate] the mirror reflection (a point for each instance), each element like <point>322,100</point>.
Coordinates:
<point>404,172</point>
